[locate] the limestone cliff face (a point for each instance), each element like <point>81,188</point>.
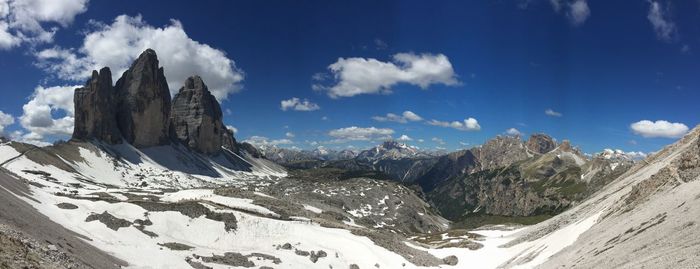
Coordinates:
<point>95,110</point>
<point>138,110</point>
<point>497,152</point>
<point>540,143</point>
<point>143,111</point>
<point>197,119</point>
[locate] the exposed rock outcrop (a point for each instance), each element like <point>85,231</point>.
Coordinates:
<point>196,118</point>
<point>497,152</point>
<point>95,115</point>
<point>540,143</point>
<point>143,111</point>
<point>139,110</point>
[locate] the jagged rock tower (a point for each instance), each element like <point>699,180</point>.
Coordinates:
<point>95,109</point>
<point>196,118</point>
<point>138,110</point>
<point>143,111</point>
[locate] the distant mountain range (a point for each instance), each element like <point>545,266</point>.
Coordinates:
<point>505,176</point>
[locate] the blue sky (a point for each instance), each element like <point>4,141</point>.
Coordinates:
<point>601,66</point>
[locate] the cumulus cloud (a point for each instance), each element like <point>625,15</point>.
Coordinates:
<point>405,117</point>
<point>664,28</point>
<point>261,141</point>
<point>297,104</point>
<point>659,128</point>
<point>552,113</point>
<point>439,141</point>
<point>232,128</point>
<point>470,124</point>
<point>513,132</point>
<point>405,138</point>
<point>49,112</point>
<point>577,11</point>
<point>117,45</point>
<point>289,135</point>
<point>354,76</point>
<point>355,133</point>
<point>618,153</point>
<point>5,120</point>
<point>35,21</point>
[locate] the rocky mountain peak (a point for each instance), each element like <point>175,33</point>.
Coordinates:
<point>390,150</point>
<point>540,143</point>
<point>95,109</point>
<point>143,113</point>
<point>500,151</point>
<point>139,110</point>
<point>565,145</point>
<point>197,120</point>
<point>195,83</point>
<point>391,144</point>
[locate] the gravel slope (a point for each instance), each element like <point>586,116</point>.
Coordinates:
<point>42,242</point>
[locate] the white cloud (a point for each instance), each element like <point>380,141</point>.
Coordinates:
<point>405,138</point>
<point>664,28</point>
<point>297,104</point>
<point>324,118</point>
<point>577,11</point>
<point>289,135</point>
<point>355,133</point>
<point>618,153</point>
<point>636,155</point>
<point>513,132</point>
<point>354,76</point>
<point>550,112</point>
<point>380,44</point>
<point>439,141</point>
<point>232,128</point>
<point>5,120</point>
<point>464,144</point>
<point>38,113</point>
<point>262,141</point>
<point>35,21</point>
<point>659,128</point>
<point>117,45</point>
<point>470,124</point>
<point>421,140</point>
<point>405,117</point>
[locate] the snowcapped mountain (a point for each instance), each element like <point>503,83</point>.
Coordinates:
<point>182,208</point>
<point>621,155</point>
<point>173,189</point>
<point>390,150</point>
<point>146,183</point>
